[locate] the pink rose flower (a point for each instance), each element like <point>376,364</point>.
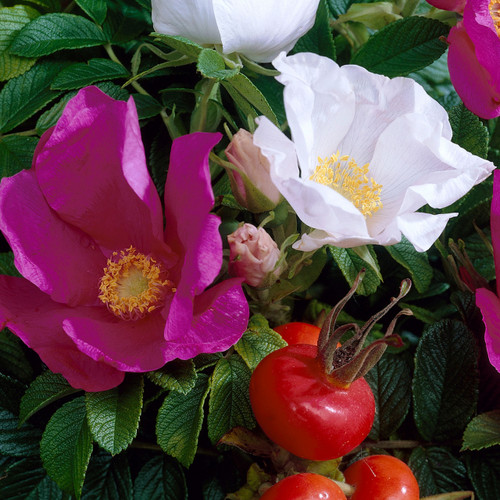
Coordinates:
<point>474,55</point>
<point>486,300</point>
<point>251,183</point>
<point>106,289</point>
<point>453,5</point>
<point>253,255</point>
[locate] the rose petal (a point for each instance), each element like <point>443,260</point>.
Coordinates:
<point>37,321</point>
<point>220,318</point>
<point>261,29</point>
<point>193,19</point>
<point>46,248</point>
<point>132,346</point>
<point>489,304</point>
<point>495,224</point>
<point>82,171</point>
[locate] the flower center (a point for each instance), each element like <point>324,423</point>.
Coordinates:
<point>345,176</point>
<point>133,284</point>
<point>494,8</point>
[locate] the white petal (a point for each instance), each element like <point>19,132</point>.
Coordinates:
<point>193,19</point>
<point>319,105</point>
<point>316,239</point>
<point>421,229</point>
<point>379,101</point>
<point>316,205</point>
<point>261,29</point>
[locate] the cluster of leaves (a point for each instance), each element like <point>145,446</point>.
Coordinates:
<point>156,435</point>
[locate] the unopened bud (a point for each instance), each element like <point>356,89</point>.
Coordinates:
<point>253,256</point>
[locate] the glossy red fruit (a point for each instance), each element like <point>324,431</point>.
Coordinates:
<point>306,486</point>
<point>382,477</point>
<point>299,333</point>
<point>306,411</point>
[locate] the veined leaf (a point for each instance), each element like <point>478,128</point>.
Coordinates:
<point>113,415</point>
<point>482,431</point>
<point>17,441</point>
<point>66,446</point>
<point>52,32</point>
<point>177,375</point>
<point>16,153</point>
<point>229,403</point>
<point>403,46</point>
<point>96,9</point>
<point>179,421</point>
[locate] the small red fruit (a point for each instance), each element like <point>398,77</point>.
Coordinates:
<point>382,477</point>
<point>306,486</point>
<point>299,333</point>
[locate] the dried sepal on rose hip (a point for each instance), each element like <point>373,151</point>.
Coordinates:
<point>313,400</point>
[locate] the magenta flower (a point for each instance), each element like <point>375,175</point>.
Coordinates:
<point>454,5</point>
<point>486,300</point>
<point>107,290</point>
<point>474,55</point>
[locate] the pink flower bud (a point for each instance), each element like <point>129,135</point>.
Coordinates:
<point>253,256</point>
<point>251,183</point>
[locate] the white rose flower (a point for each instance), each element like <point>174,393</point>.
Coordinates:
<point>258,29</point>
<point>367,153</point>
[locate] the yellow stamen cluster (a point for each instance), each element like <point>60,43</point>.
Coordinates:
<point>494,8</point>
<point>351,180</point>
<point>133,284</point>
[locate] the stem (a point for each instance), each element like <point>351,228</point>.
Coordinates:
<point>346,488</point>
<point>173,132</point>
<point>111,53</point>
<point>202,122</point>
<point>26,133</point>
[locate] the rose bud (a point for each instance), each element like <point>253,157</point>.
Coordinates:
<point>253,256</point>
<point>250,180</point>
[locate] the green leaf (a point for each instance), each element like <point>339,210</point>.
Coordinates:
<point>181,44</point>
<point>403,46</point>
<point>7,267</point>
<point>66,446</point>
<point>159,479</point>
<point>319,38</point>
<point>350,264</point>
<point>24,95</point>
<point>229,403</point>
<point>482,431</point>
<point>12,358</point>
<point>13,19</point>
<point>310,272</point>
<point>445,385</point>
<point>390,382</point>
<point>484,471</point>
<point>179,421</point>
<point>108,478</point>
<point>52,115</point>
<point>16,154</point>
<point>28,480</point>
<point>437,471</point>
<point>11,391</point>
<point>147,106</point>
<point>113,415</point>
<point>252,94</point>
<point>474,207</point>
<point>258,341</point>
<point>44,390</point>
<point>96,9</point>
<point>339,7</point>
<point>17,441</point>
<point>417,263</point>
<point>52,32</point>
<point>80,75</point>
<point>177,375</point>
<point>469,131</point>
<point>211,65</point>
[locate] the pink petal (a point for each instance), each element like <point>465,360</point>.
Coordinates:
<point>92,171</point>
<point>495,224</point>
<point>58,258</point>
<point>188,201</point>
<point>37,321</point>
<point>454,5</point>
<point>472,81</point>
<point>489,304</point>
<point>133,346</point>
<point>220,318</point>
